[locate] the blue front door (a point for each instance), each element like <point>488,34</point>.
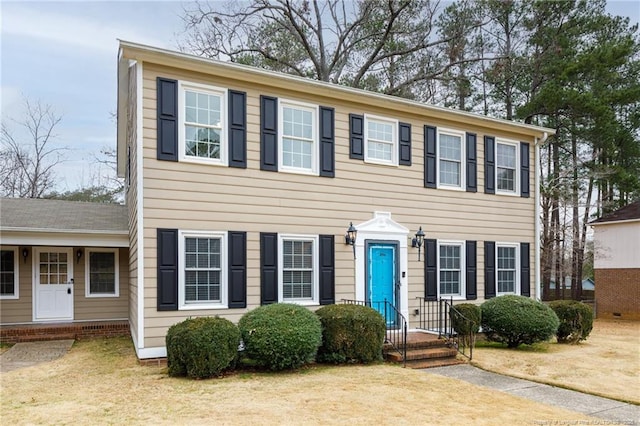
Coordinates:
<point>382,277</point>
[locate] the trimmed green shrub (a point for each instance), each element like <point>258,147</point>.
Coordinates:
<point>202,347</point>
<point>281,336</point>
<point>576,320</point>
<point>517,320</point>
<point>469,311</point>
<point>351,333</point>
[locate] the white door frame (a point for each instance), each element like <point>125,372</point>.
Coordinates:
<point>36,281</point>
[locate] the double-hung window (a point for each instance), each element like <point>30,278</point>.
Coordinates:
<point>298,133</point>
<point>506,167</point>
<point>202,275</point>
<point>507,272</point>
<point>299,269</point>
<point>203,118</point>
<point>450,156</point>
<point>9,273</point>
<point>381,140</point>
<point>102,271</point>
<point>450,268</point>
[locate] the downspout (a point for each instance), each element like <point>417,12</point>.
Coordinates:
<point>545,136</point>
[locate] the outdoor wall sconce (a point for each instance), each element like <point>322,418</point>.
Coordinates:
<point>25,254</point>
<point>350,238</point>
<point>78,255</point>
<point>418,240</point>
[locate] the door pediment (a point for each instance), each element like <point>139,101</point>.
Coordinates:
<point>381,224</point>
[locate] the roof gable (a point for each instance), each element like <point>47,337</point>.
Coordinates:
<point>626,213</point>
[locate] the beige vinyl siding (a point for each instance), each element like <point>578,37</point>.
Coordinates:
<point>191,196</point>
<point>19,310</point>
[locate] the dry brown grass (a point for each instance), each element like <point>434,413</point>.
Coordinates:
<point>100,382</point>
<point>606,364</point>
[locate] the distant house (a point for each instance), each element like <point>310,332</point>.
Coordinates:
<point>587,284</point>
<point>617,263</point>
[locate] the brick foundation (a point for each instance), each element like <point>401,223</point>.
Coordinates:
<point>78,331</point>
<point>618,293</point>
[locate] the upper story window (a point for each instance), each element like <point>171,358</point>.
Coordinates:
<point>203,133</point>
<point>102,273</point>
<point>298,134</point>
<point>381,138</point>
<point>450,268</point>
<point>9,273</point>
<point>450,156</point>
<point>506,167</point>
<point>299,269</point>
<point>506,271</point>
<point>202,275</point>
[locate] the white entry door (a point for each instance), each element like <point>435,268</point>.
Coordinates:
<point>53,284</point>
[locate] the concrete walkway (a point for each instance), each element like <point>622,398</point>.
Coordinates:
<point>595,406</point>
<point>31,353</point>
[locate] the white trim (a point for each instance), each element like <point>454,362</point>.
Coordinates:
<point>183,305</point>
<point>140,209</point>
<point>394,143</point>
<point>315,285</point>
<point>516,179</point>
<point>16,277</point>
<point>614,222</point>
<point>183,86</point>
<point>35,282</point>
<point>63,231</point>
<point>282,103</point>
<point>463,159</point>
<point>463,267</point>
<point>516,285</point>
<point>537,223</point>
<point>149,353</point>
<point>71,238</point>
<point>64,321</point>
<point>87,274</point>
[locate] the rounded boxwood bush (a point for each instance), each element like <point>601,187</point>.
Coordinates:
<point>469,311</point>
<point>576,320</point>
<point>280,336</point>
<point>351,333</point>
<point>517,320</point>
<point>202,347</point>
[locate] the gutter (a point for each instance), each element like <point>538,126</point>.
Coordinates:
<point>537,231</point>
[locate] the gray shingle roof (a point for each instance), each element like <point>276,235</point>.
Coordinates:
<point>41,214</point>
<point>628,212</point>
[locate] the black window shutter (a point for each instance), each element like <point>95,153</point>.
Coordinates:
<point>489,269</point>
<point>327,142</point>
<point>327,269</point>
<point>356,136</point>
<point>489,165</point>
<point>237,129</point>
<point>268,133</point>
<point>525,270</point>
<point>237,269</point>
<point>167,258</point>
<point>430,156</point>
<point>405,144</point>
<point>472,271</point>
<point>524,169</point>
<point>472,163</point>
<point>167,111</point>
<point>268,268</point>
<point>430,269</point>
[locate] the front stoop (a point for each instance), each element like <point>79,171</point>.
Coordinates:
<point>63,331</point>
<point>424,351</point>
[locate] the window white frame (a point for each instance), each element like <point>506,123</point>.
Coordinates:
<point>394,139</point>
<point>183,87</point>
<point>463,158</point>
<point>313,109</point>
<point>16,278</point>
<point>182,302</point>
<point>516,171</point>
<point>315,276</point>
<point>461,295</point>
<point>516,285</point>
<point>87,272</point>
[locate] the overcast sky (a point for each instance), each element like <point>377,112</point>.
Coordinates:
<point>64,54</point>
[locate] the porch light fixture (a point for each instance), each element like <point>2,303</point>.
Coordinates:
<point>418,240</point>
<point>78,255</point>
<point>350,238</point>
<point>25,254</point>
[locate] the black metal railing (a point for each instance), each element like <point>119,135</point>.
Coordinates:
<point>396,336</point>
<point>436,316</point>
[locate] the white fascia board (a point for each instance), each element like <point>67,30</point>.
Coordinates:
<point>69,238</point>
<point>614,222</point>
